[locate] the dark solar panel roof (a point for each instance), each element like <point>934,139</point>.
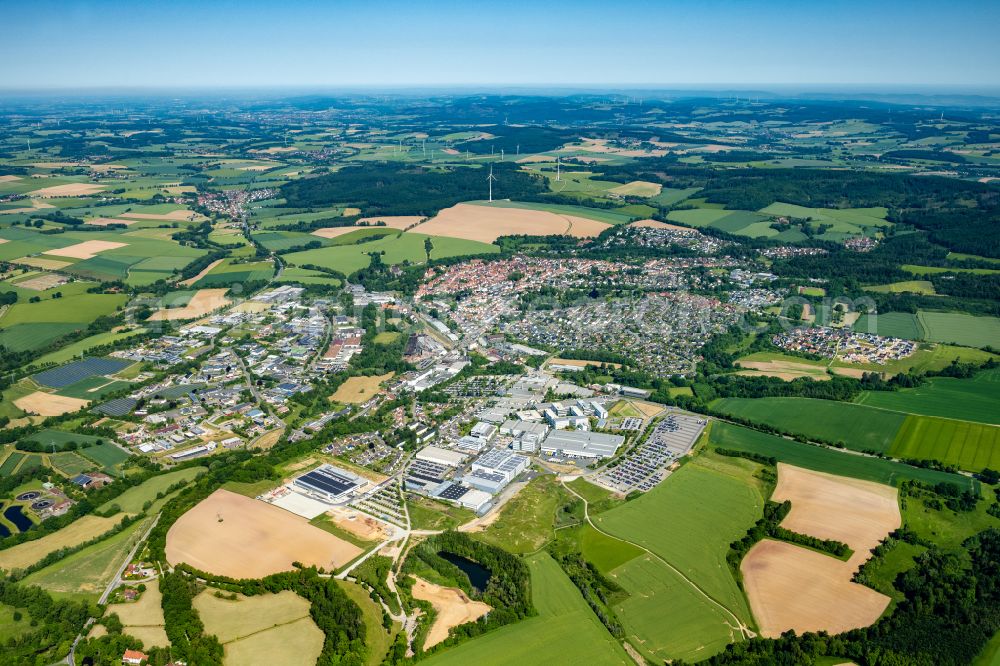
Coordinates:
<point>326,482</point>
<point>76,371</point>
<point>453,492</point>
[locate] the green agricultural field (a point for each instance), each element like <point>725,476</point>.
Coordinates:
<point>229,273</point>
<point>70,309</point>
<point>891,324</point>
<point>78,349</point>
<point>70,464</point>
<point>932,270</point>
<point>970,446</point>
<point>109,456</point>
<point>133,499</point>
<point>669,196</point>
<point>93,388</point>
<point>565,631</point>
<point>10,464</point>
<point>59,438</point>
<point>821,459</point>
<point>843,220</point>
<point>398,247</point>
<point>688,520</point>
<point>304,276</point>
<point>958,328</point>
<point>858,427</point>
<point>740,222</point>
<point>23,337</point>
<point>922,287</point>
<point>976,399</point>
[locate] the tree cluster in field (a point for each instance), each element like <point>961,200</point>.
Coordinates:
<point>54,624</point>
<point>940,495</point>
<point>950,610</point>
<point>391,189</point>
<point>599,591</point>
<point>374,573</point>
<point>768,526</point>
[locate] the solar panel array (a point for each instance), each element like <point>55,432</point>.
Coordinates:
<point>76,371</point>
<point>327,481</point>
<point>117,407</point>
<point>453,492</point>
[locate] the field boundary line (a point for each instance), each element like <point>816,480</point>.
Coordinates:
<point>745,631</point>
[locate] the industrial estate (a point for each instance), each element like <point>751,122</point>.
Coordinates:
<point>608,378</point>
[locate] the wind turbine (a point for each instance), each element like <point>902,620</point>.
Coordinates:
<point>490,179</point>
<point>558,174</point>
<point>501,154</point>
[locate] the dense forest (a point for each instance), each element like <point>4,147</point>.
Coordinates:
<point>387,189</point>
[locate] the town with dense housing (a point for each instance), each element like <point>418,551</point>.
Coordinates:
<point>512,376</point>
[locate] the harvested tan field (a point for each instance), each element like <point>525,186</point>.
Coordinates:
<point>450,151</point>
<point>393,221</point>
<point>9,179</point>
<point>589,160</point>
<point>257,167</point>
<point>487,223</point>
<point>637,188</point>
<point>656,224</point>
<point>252,307</point>
<point>349,211</point>
<point>35,205</point>
<point>42,282</point>
<point>230,619</point>
<point>203,302</point>
<point>174,215</point>
<point>233,535</point>
<point>859,513</point>
<point>267,440</point>
<point>49,404</point>
<point>531,159</point>
<point>359,524</point>
<point>106,221</point>
<point>3,240</point>
<point>790,587</point>
<point>68,190</point>
<point>55,165</point>
<point>86,249</point>
<point>151,636</point>
<point>104,168</point>
<point>205,271</point>
<point>333,232</point>
<point>453,608</point>
<point>81,530</point>
<point>359,389</point>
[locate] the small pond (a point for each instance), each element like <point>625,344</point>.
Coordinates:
<point>16,516</point>
<point>4,532</point>
<point>477,573</point>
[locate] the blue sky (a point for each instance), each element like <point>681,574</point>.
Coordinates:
<point>180,43</point>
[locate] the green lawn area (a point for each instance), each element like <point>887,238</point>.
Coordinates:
<point>912,286</point>
<point>969,446</point>
<point>107,455</point>
<point>821,459</point>
<point>932,270</point>
<point>975,399</point>
<point>526,521</point>
<point>398,247</point>
<point>428,514</point>
<point>8,627</point>
<point>565,631</point>
<point>598,499</point>
<point>858,427</point>
<point>891,324</point>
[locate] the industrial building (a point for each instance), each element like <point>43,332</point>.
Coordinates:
<point>329,483</point>
<point>502,462</point>
<point>436,454</point>
<point>581,444</point>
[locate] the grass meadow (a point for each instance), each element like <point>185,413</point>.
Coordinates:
<point>970,446</point>
<point>975,399</point>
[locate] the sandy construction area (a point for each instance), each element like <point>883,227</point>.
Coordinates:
<point>359,389</point>
<point>203,302</point>
<point>787,370</point>
<point>359,524</point>
<point>49,404</point>
<point>392,221</point>
<point>790,587</point>
<point>106,221</point>
<point>86,249</point>
<point>41,262</point>
<point>174,215</point>
<point>656,224</point>
<point>487,223</point>
<point>453,608</point>
<point>859,513</point>
<point>333,232</point>
<point>233,535</point>
<point>68,190</point>
<point>42,282</point>
<point>205,271</point>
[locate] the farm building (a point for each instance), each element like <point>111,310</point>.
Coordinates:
<point>329,483</point>
<point>581,444</point>
<point>436,454</point>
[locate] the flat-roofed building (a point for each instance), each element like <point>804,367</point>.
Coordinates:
<point>581,444</point>
<point>436,454</point>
